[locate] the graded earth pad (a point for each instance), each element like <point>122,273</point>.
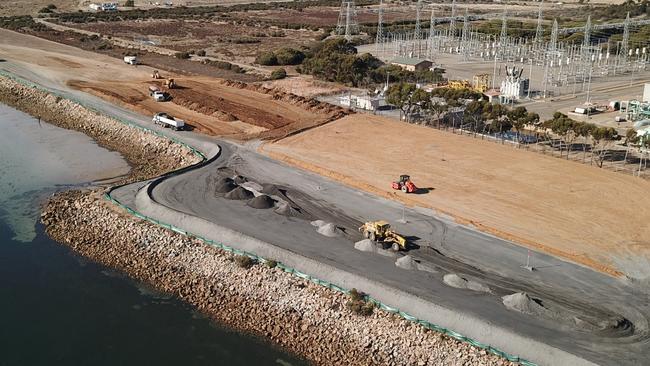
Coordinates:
<point>536,200</point>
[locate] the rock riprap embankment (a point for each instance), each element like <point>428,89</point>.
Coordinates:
<point>149,155</point>
<point>303,317</point>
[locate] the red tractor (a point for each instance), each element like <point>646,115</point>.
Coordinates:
<point>404,184</point>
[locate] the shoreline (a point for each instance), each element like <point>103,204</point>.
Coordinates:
<point>301,317</point>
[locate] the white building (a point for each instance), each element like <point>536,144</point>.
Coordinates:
<point>364,102</point>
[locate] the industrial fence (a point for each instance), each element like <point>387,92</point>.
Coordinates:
<point>285,268</point>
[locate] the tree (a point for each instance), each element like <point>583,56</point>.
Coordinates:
<point>129,4</point>
<point>603,138</point>
<point>406,97</point>
<point>438,109</point>
<point>584,130</point>
<point>266,59</point>
<point>631,137</point>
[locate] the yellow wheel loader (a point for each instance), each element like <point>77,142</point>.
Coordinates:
<point>380,231</point>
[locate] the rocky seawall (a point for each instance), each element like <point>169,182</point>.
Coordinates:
<point>324,326</point>
<point>148,154</point>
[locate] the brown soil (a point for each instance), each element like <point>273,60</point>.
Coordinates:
<point>590,216</point>
<point>212,106</point>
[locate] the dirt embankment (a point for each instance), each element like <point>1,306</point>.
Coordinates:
<point>296,314</point>
<point>137,146</point>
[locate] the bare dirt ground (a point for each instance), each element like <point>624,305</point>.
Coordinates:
<point>590,216</point>
<point>224,39</point>
<point>23,7</point>
<point>210,105</point>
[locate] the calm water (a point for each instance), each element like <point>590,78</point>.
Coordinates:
<point>57,308</point>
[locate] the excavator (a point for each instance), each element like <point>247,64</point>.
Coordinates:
<point>404,184</point>
<point>168,83</point>
<point>380,231</point>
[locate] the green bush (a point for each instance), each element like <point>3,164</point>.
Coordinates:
<point>356,295</point>
<point>45,10</point>
<point>129,3</point>
<point>278,74</point>
<point>289,56</point>
<point>200,53</point>
<point>271,263</point>
<point>182,55</point>
<point>360,307</point>
<point>244,261</point>
<point>51,6</point>
<point>266,59</point>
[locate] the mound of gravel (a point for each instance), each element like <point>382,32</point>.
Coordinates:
<point>523,303</point>
<point>365,245</point>
<point>456,281</point>
<point>238,179</point>
<point>285,209</point>
<point>329,229</point>
<point>261,202</point>
<point>239,193</point>
<point>225,185</point>
<point>318,223</point>
<point>406,262</point>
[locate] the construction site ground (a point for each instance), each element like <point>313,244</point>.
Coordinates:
<point>587,215</point>
<point>580,212</point>
<point>209,105</point>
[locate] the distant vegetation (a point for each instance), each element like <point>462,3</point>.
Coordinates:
<point>337,60</point>
<point>282,56</point>
<point>23,22</point>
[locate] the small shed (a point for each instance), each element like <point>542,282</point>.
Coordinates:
<point>412,63</point>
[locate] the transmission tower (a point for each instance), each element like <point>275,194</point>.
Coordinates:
<point>539,32</point>
<point>626,38</point>
<point>464,43</point>
<point>504,33</point>
<point>452,21</point>
<point>379,39</point>
<point>587,39</point>
<point>418,29</point>
<point>432,24</point>
<point>347,23</point>
<point>552,46</point>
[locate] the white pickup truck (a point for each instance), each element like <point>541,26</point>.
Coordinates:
<point>158,95</point>
<point>131,60</point>
<point>166,120</point>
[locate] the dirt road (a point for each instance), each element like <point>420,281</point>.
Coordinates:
<point>209,105</point>
<point>590,216</point>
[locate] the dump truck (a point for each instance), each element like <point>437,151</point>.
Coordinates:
<point>165,120</point>
<point>380,231</point>
<point>157,94</point>
<point>131,60</point>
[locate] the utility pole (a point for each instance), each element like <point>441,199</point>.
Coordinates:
<point>452,21</point>
<point>504,32</point>
<point>464,43</point>
<point>626,39</point>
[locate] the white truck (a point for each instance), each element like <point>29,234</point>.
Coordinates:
<point>158,95</point>
<point>131,60</point>
<point>165,120</point>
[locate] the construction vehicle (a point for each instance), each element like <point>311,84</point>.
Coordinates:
<point>380,231</point>
<point>158,95</point>
<point>481,82</point>
<point>131,60</point>
<point>170,83</point>
<point>156,75</point>
<point>459,84</point>
<point>165,120</point>
<point>404,184</point>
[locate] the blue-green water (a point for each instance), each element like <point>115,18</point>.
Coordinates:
<point>57,308</point>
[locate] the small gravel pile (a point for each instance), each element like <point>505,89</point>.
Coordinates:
<point>407,262</point>
<point>523,303</point>
<point>261,202</point>
<point>225,185</point>
<point>365,245</point>
<point>239,193</point>
<point>329,230</point>
<point>456,281</point>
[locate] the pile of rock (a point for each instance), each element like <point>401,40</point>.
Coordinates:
<point>296,314</point>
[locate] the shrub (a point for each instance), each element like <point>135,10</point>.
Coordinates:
<point>182,55</point>
<point>51,6</point>
<point>266,59</point>
<point>45,10</point>
<point>200,53</point>
<point>356,295</point>
<point>129,3</point>
<point>360,307</point>
<point>278,74</point>
<point>271,263</point>
<point>244,261</point>
<point>289,56</point>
